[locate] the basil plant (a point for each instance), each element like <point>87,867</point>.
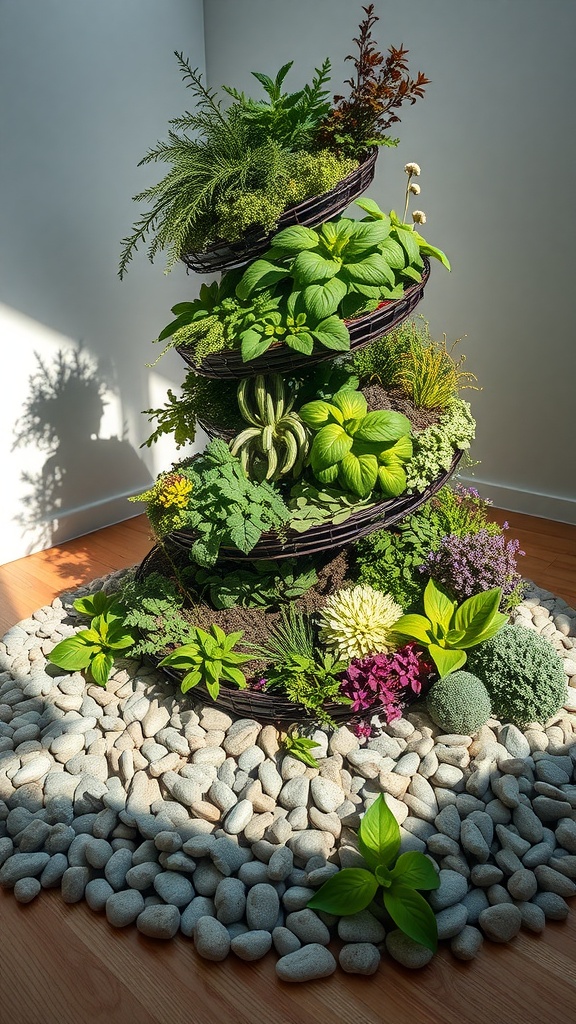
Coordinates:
<point>447,631</point>
<point>361,450</point>
<point>398,878</point>
<point>94,649</point>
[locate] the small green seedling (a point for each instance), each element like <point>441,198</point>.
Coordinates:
<point>300,748</point>
<point>209,658</point>
<point>353,889</point>
<point>94,648</point>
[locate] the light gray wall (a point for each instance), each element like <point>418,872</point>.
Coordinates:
<point>494,137</point>
<point>86,88</point>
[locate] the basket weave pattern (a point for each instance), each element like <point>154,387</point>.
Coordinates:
<point>228,255</point>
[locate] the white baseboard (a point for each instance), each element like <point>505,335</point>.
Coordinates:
<point>514,499</point>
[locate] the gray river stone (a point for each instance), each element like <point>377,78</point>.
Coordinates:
<point>550,880</point>
<point>122,908</point>
<point>359,958</point>
<point>74,882</point>
<point>308,927</point>
<point>27,889</point>
<point>174,888</point>
<point>555,907</point>
<point>306,964</point>
<point>252,945</point>
<point>453,887</point>
<point>54,870</point>
<point>501,922</point>
<point>230,900</point>
<point>22,865</point>
<point>97,893</point>
<point>522,884</point>
<point>361,927</point>
<point>285,941</point>
<point>451,921</point>
<point>200,906</point>
<point>159,922</point>
<point>407,952</point>
<point>211,939</point>
<point>262,907</point>
<point>467,944</point>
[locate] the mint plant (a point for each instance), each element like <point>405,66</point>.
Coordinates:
<point>209,658</point>
<point>94,649</point>
<point>447,630</point>
<point>354,889</point>
<point>358,448</point>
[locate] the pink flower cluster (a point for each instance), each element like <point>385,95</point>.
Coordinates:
<point>393,679</point>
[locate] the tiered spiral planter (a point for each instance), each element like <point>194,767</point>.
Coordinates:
<point>380,513</point>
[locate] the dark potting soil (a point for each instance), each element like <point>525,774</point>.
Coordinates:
<point>394,398</point>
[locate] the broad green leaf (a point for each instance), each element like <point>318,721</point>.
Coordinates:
<point>392,478</point>
<point>371,207</point>
<point>383,426</point>
<point>446,660</point>
<point>190,679</point>
<point>187,307</point>
<point>383,876</point>
<point>301,342</point>
<point>393,253</point>
<point>311,268</point>
<point>173,326</point>
<point>412,914</point>
<point>367,235</point>
<point>401,449</point>
<point>243,533</point>
<point>183,657</point>
<point>351,403</point>
<point>430,250</point>
<point>218,633</point>
<point>495,626</point>
<point>234,675</point>
<point>321,300</point>
<point>327,476</point>
<point>348,892</point>
<point>101,667</point>
<point>412,274</point>
<point>373,270</point>
<point>408,242</point>
<point>358,473</point>
<point>438,606</point>
<point>258,275</point>
<point>294,239</point>
<point>329,446</point>
<point>454,637</point>
<point>93,604</point>
<point>415,871</point>
<point>475,615</point>
<point>333,333</point>
<point>213,688</point>
<point>336,231</point>
<point>416,627</point>
<point>254,344</point>
<point>317,414</point>
<point>379,834</point>
<point>71,654</point>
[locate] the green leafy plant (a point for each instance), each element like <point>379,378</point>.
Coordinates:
<point>305,676</point>
<point>358,448</point>
<point>276,443</point>
<point>309,506</point>
<point>435,446</point>
<point>290,118</point>
<point>201,398</point>
<point>95,648</point>
<point>403,246</point>
<point>447,630</point>
<point>300,748</point>
<point>291,325</point>
<point>378,89</point>
<point>209,658</point>
<point>352,890</point>
<point>390,560</point>
<point>262,585</point>
<point>154,612</point>
<point>222,506</point>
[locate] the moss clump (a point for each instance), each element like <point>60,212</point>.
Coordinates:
<point>459,703</point>
<point>523,674</point>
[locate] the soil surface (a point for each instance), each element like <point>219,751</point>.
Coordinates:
<point>394,398</point>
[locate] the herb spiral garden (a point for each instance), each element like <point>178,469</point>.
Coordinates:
<point>326,706</point>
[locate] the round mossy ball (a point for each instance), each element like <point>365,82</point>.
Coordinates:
<point>523,673</point>
<point>459,703</point>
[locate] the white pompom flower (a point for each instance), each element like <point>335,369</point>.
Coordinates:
<point>412,169</point>
<point>414,188</point>
<point>357,622</point>
<point>419,217</point>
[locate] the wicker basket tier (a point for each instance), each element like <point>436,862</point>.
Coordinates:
<point>228,365</point>
<point>325,537</point>
<point>227,255</point>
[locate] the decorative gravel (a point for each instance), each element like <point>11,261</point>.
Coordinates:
<point>180,819</point>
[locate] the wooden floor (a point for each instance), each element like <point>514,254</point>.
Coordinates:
<point>64,964</point>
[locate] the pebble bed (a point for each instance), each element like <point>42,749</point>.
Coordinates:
<point>180,819</point>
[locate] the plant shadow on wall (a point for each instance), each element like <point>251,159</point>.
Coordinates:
<point>83,471</point>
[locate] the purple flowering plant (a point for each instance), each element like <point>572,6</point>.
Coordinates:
<point>393,679</point>
<point>470,564</point>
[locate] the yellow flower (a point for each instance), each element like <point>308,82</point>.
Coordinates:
<point>174,491</point>
<point>357,622</point>
<point>418,217</point>
<point>412,169</point>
